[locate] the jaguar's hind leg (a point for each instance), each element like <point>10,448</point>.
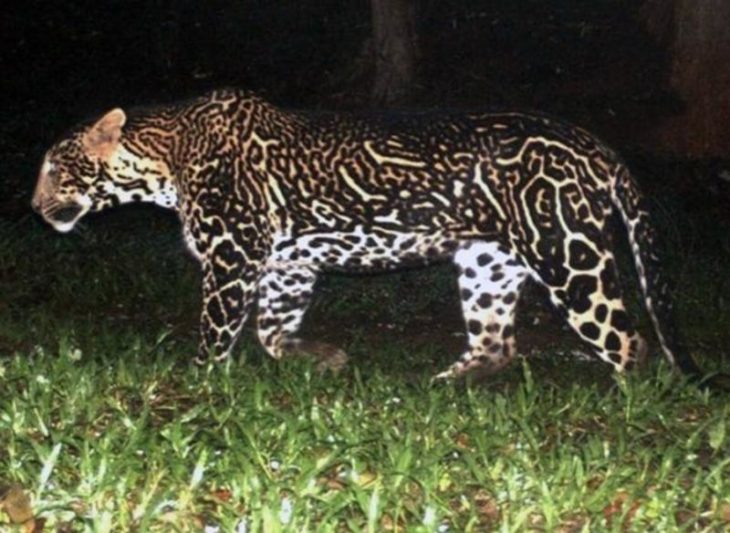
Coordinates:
<point>588,295</point>
<point>284,295</point>
<point>490,279</point>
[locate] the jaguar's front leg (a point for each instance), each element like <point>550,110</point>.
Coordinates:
<point>229,288</point>
<point>284,295</point>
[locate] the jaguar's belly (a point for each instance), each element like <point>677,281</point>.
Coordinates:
<point>361,250</point>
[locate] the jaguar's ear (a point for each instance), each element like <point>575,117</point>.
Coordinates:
<point>102,137</point>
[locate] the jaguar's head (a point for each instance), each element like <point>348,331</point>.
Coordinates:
<point>73,172</point>
<point>97,166</point>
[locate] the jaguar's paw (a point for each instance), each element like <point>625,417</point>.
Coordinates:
<point>327,357</point>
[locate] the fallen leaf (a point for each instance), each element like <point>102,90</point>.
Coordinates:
<point>16,504</point>
<point>221,495</point>
<point>724,512</point>
<point>462,441</point>
<point>616,508</point>
<point>487,507</point>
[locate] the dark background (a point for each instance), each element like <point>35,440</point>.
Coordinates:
<point>591,62</point>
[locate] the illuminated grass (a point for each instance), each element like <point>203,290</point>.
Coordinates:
<point>142,442</point>
<point>106,425</point>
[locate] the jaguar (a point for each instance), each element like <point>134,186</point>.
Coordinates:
<point>269,198</point>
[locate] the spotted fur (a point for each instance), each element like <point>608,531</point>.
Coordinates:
<point>269,198</point>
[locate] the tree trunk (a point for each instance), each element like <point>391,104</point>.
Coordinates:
<point>165,44</point>
<point>699,40</point>
<point>395,50</point>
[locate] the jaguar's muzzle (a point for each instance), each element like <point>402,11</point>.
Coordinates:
<point>64,214</point>
<point>62,217</point>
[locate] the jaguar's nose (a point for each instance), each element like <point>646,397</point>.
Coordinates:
<point>35,203</point>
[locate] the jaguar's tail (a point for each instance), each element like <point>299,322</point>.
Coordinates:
<point>657,292</point>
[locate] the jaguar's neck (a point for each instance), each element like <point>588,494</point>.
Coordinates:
<point>142,164</point>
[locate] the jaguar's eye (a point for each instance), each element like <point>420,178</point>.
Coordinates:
<point>48,168</point>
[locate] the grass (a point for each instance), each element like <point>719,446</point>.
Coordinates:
<point>108,428</point>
